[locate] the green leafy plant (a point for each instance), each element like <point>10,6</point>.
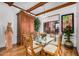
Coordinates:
<point>68,32</point>
<point>37,24</point>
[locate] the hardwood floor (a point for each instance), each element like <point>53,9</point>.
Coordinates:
<point>65,52</point>
<point>21,51</point>
<point>70,52</point>
<point>15,51</point>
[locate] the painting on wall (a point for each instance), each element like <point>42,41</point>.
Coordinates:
<point>67,20</point>
<point>49,27</point>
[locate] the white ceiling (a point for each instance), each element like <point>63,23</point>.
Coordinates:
<point>27,5</point>
<point>46,7</point>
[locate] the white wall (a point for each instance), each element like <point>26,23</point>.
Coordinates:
<point>7,14</point>
<point>77,11</point>
<point>62,11</point>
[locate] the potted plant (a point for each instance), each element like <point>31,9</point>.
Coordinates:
<point>68,33</point>
<point>37,24</point>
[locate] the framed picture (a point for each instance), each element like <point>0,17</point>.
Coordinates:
<point>49,27</point>
<point>67,20</point>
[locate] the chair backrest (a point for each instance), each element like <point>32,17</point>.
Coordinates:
<point>29,45</point>
<point>59,45</point>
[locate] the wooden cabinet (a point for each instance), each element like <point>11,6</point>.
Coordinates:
<point>25,25</point>
<point>25,28</point>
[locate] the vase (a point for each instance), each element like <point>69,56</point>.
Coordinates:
<point>68,44</point>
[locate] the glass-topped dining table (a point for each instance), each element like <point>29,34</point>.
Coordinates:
<point>44,42</point>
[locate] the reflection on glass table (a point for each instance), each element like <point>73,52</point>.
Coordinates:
<point>45,42</point>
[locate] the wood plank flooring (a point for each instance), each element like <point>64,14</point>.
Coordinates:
<point>65,52</point>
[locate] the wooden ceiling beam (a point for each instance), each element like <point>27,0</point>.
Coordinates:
<point>57,7</point>
<point>11,4</point>
<point>36,6</point>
